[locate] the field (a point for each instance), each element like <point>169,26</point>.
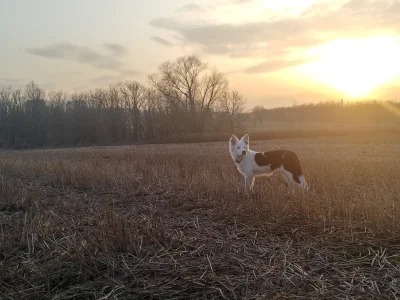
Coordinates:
<point>172,222</point>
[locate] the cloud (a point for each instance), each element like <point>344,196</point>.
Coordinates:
<point>191,7</point>
<point>11,80</point>
<point>161,41</point>
<point>229,38</point>
<point>107,79</point>
<point>242,1</point>
<point>277,64</point>
<point>129,72</point>
<point>284,35</point>
<point>167,23</point>
<point>73,73</point>
<point>116,49</point>
<point>84,55</point>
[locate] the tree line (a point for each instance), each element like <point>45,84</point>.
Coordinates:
<point>184,97</point>
<point>367,112</point>
<point>183,100</point>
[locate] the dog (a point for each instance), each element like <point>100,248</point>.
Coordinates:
<point>251,163</point>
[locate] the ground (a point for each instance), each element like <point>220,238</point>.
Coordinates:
<point>172,222</point>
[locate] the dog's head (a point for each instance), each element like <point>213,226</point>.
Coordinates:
<point>238,148</point>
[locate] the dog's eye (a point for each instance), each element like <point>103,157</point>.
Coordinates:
<point>238,147</point>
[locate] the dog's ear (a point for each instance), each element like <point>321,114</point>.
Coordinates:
<point>245,139</point>
<point>233,139</point>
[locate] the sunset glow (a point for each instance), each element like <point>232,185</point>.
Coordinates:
<point>276,53</point>
<point>356,67</point>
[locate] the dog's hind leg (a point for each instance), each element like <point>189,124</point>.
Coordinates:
<point>289,179</point>
<point>301,181</point>
<point>292,169</point>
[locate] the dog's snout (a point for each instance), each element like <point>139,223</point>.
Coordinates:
<point>244,152</point>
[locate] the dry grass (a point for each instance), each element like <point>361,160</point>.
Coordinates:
<point>171,222</point>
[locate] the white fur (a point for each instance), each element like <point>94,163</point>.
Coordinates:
<point>247,166</point>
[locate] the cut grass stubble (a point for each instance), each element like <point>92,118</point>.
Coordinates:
<point>172,221</point>
<point>349,188</point>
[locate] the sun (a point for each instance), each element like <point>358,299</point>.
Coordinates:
<point>356,67</point>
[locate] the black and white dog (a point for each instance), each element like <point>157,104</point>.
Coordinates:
<point>251,163</point>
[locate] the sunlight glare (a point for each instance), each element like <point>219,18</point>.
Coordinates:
<point>356,67</point>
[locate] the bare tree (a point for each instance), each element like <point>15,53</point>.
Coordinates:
<point>57,105</point>
<point>115,117</point>
<point>133,96</point>
<point>182,98</point>
<point>5,108</point>
<point>150,115</point>
<point>15,116</point>
<point>178,80</point>
<point>187,84</point>
<point>212,90</point>
<point>12,119</point>
<point>258,113</point>
<point>233,105</point>
<point>33,92</point>
<point>98,102</point>
<point>36,115</point>
<point>80,119</point>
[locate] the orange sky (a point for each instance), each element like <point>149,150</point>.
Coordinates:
<point>274,52</point>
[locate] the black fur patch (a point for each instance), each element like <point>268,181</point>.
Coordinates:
<point>277,158</point>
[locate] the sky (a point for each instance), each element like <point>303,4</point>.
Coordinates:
<point>275,53</point>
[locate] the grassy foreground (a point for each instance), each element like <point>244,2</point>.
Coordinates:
<point>171,222</point>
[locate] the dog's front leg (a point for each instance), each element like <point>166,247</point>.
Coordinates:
<point>249,182</point>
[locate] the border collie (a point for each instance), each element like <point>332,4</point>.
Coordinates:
<point>251,163</point>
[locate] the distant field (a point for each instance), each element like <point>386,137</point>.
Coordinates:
<point>278,131</point>
<point>320,126</point>
<point>171,222</point>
